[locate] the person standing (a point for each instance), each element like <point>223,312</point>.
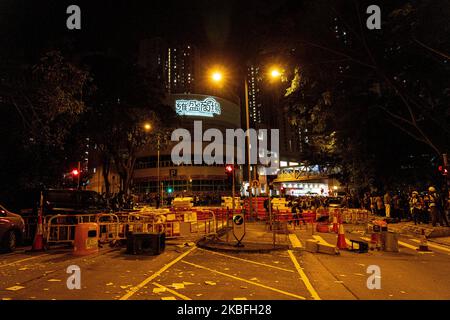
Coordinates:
<point>416,207</point>
<point>379,202</point>
<point>387,204</point>
<point>435,207</point>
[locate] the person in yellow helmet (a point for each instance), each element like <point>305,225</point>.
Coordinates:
<point>435,205</point>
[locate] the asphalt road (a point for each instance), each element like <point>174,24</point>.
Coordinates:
<point>190,273</point>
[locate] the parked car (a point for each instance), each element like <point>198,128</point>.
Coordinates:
<point>12,229</point>
<point>69,201</point>
<point>335,202</point>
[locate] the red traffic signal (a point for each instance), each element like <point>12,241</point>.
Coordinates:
<point>443,170</point>
<point>229,169</point>
<point>75,172</point>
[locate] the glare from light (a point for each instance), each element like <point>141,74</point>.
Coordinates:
<point>217,76</point>
<point>275,73</point>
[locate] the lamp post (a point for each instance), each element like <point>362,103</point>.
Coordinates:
<point>217,77</point>
<point>148,127</point>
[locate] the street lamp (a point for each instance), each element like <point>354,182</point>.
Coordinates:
<point>217,78</point>
<point>148,127</point>
<point>275,73</point>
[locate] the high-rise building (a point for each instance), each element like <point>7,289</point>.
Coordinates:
<point>175,65</point>
<point>255,104</point>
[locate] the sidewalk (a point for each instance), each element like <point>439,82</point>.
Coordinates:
<point>410,228</point>
<point>258,238</point>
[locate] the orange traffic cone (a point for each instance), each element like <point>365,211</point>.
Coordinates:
<point>335,225</point>
<point>423,246</point>
<point>38,242</point>
<point>341,243</point>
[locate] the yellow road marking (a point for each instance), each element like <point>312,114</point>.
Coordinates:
<point>403,244</point>
<point>407,245</point>
<point>171,291</point>
<point>432,245</point>
<point>294,241</point>
<point>304,278</point>
<point>245,280</point>
<point>245,260</point>
<point>321,240</point>
<point>156,274</point>
<point>18,261</point>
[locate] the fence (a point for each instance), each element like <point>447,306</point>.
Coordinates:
<point>60,229</point>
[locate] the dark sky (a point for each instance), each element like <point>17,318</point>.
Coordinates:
<point>216,27</point>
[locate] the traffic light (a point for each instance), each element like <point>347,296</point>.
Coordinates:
<point>229,169</point>
<point>169,190</point>
<point>75,172</point>
<point>443,170</point>
<point>283,191</point>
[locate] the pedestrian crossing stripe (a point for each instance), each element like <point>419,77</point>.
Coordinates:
<point>433,245</point>
<point>321,240</point>
<point>294,241</point>
<point>407,245</point>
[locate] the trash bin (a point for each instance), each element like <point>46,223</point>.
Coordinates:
<point>86,239</point>
<point>146,243</point>
<point>390,241</point>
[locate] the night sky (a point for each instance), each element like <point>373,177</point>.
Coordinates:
<point>221,29</point>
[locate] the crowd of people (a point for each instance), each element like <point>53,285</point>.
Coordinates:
<point>418,207</point>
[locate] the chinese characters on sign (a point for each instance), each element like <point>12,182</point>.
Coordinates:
<point>205,108</point>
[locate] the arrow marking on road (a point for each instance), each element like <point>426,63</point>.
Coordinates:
<point>245,280</point>
<point>321,240</point>
<point>245,260</point>
<point>156,274</point>
<point>179,295</point>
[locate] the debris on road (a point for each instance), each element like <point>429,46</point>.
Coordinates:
<point>211,283</point>
<point>15,288</point>
<point>168,298</point>
<point>159,290</point>
<point>177,286</point>
<point>54,280</point>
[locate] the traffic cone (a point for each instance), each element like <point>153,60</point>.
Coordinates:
<point>341,243</point>
<point>335,225</point>
<point>423,246</point>
<point>38,242</point>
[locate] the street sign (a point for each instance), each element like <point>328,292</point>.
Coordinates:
<point>255,184</point>
<point>238,226</point>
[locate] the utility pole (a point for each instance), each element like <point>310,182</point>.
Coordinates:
<point>79,174</point>
<point>250,196</point>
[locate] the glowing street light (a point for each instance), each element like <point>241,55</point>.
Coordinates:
<point>217,76</point>
<point>275,73</point>
<point>147,126</point>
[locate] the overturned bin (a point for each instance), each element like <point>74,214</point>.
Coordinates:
<point>150,243</point>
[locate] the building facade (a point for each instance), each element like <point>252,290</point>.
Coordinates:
<point>189,178</point>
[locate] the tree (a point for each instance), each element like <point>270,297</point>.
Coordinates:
<point>381,84</point>
<point>39,107</point>
<point>126,97</point>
